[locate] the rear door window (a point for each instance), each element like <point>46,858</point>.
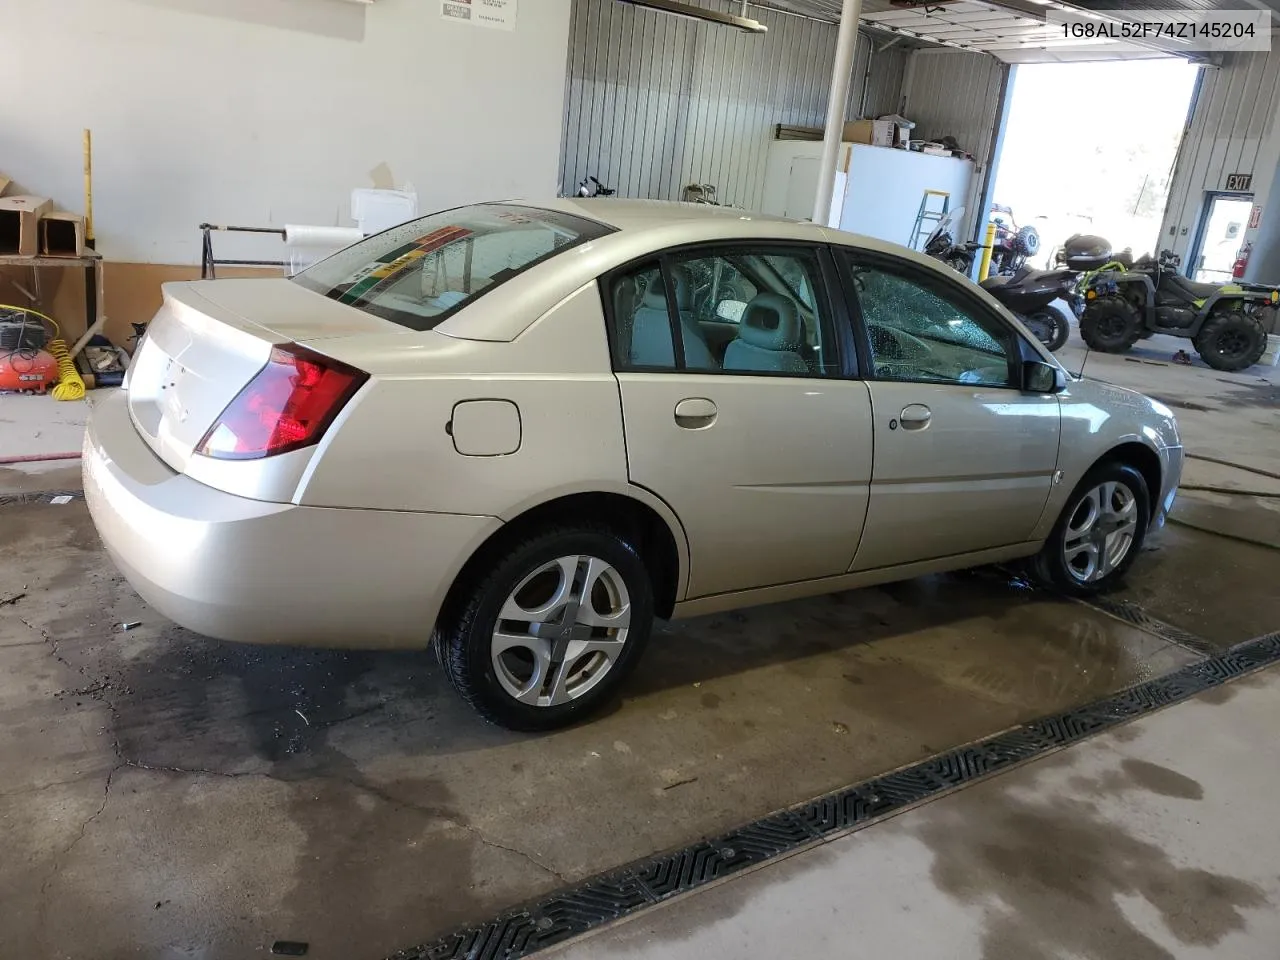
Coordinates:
<point>421,272</point>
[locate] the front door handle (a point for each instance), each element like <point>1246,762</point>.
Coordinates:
<point>694,413</point>
<point>915,416</point>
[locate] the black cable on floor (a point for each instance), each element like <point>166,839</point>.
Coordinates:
<point>1228,463</point>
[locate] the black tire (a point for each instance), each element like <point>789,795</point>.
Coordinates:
<point>1050,568</point>
<point>1110,324</point>
<point>1231,341</point>
<point>1050,328</point>
<point>465,632</point>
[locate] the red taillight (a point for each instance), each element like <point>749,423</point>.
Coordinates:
<point>288,404</point>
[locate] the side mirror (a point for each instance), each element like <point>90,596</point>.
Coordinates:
<point>1041,377</point>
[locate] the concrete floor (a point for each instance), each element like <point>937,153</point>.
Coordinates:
<point>1154,841</point>
<point>170,796</point>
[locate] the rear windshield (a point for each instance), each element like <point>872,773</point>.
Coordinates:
<point>420,272</point>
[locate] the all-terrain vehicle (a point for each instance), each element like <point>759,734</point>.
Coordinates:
<point>1225,323</point>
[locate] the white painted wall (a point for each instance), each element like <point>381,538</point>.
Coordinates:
<point>262,112</point>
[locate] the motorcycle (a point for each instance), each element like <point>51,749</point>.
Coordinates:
<point>941,245</point>
<point>591,187</point>
<point>1030,294</point>
<point>1013,244</point>
<point>1223,321</point>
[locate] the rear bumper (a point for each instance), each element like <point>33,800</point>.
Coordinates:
<point>251,571</point>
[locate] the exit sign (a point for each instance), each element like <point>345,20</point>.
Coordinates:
<point>1239,182</point>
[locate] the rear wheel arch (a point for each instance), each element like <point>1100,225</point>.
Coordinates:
<point>640,523</point>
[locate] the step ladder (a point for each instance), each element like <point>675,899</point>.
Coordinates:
<point>929,216</point>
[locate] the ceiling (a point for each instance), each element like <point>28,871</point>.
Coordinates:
<point>1015,31</point>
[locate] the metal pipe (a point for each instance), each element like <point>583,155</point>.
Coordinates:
<point>841,72</point>
<point>866,78</point>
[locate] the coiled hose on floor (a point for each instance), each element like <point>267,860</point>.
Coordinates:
<point>69,386</point>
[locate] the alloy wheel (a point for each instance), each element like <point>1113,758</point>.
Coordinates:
<point>561,630</point>
<point>1100,531</point>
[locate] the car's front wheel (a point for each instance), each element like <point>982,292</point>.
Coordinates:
<point>1099,533</point>
<point>548,632</point>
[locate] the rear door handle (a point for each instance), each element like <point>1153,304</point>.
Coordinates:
<point>915,416</point>
<point>693,413</point>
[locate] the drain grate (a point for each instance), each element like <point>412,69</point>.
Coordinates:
<point>43,496</point>
<point>1133,614</point>
<point>524,931</point>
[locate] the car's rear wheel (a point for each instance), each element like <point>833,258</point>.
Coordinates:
<point>544,636</point>
<point>1099,533</point>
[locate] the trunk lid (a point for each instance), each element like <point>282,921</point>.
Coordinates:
<point>202,348</point>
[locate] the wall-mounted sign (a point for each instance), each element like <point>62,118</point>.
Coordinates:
<point>495,14</point>
<point>1255,217</point>
<point>1239,182</point>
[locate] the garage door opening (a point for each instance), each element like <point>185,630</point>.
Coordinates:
<point>1077,158</point>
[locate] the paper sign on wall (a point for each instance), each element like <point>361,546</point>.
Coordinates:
<point>495,14</point>
<point>1255,216</point>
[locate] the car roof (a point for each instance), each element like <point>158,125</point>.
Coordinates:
<point>639,229</point>
<point>639,214</point>
<point>710,222</point>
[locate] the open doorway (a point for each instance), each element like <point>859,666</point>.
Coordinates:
<point>1219,235</point>
<point>1075,160</point>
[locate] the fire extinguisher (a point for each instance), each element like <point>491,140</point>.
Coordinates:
<point>1242,261</point>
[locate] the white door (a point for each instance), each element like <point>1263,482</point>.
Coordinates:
<point>757,443</point>
<point>964,459</point>
<point>1221,238</point>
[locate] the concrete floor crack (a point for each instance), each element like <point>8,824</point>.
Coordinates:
<point>61,859</point>
<point>194,771</point>
<point>445,817</point>
<point>479,835</point>
<point>37,788</point>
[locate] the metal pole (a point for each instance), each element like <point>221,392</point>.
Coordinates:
<point>841,73</point>
<point>984,265</point>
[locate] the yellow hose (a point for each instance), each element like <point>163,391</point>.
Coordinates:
<point>70,386</point>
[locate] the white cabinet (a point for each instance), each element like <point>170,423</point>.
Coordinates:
<point>878,189</point>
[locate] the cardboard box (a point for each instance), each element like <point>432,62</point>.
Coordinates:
<point>62,235</point>
<point>4,183</point>
<point>19,224</point>
<point>879,133</point>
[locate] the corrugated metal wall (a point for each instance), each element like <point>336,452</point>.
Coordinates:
<point>655,102</point>
<point>1232,130</point>
<point>954,93</point>
<point>957,93</point>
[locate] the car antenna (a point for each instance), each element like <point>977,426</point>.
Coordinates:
<point>1087,348</point>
